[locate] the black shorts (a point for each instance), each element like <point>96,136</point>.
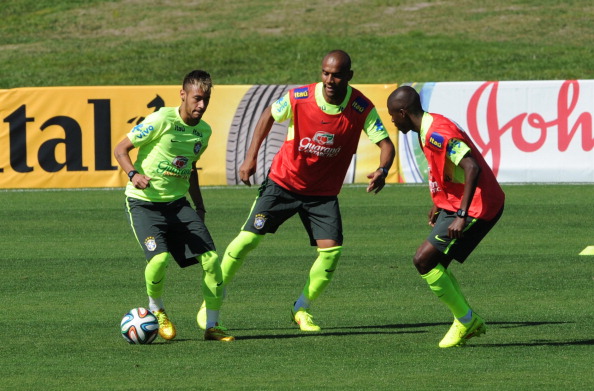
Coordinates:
<point>274,205</point>
<point>172,227</point>
<point>460,249</point>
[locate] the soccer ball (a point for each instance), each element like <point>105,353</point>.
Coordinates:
<point>139,326</point>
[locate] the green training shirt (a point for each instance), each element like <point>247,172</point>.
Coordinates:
<point>167,147</point>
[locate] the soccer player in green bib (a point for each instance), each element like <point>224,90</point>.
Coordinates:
<point>169,143</point>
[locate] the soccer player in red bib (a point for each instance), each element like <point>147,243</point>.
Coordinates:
<point>306,175</point>
<point>467,203</point>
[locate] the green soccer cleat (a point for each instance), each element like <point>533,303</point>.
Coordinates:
<point>166,328</point>
<point>459,333</point>
<point>217,334</point>
<point>304,319</point>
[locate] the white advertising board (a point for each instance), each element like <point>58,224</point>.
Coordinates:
<point>528,131</point>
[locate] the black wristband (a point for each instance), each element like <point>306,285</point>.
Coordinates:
<point>131,174</point>
<point>384,171</point>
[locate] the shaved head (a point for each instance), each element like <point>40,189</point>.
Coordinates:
<point>336,74</point>
<point>407,98</point>
<point>338,57</point>
<point>404,106</point>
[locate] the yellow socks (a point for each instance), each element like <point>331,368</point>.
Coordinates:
<point>445,287</point>
<point>322,271</point>
<point>154,274</point>
<point>236,252</point>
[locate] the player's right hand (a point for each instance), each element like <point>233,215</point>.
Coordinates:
<point>433,213</point>
<point>246,170</point>
<point>141,181</point>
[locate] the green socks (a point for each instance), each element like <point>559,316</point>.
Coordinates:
<point>236,252</point>
<point>154,274</point>
<point>321,272</point>
<point>446,288</point>
<point>212,280</point>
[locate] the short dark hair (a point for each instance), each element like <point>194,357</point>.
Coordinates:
<point>406,97</point>
<point>343,56</point>
<point>198,78</point>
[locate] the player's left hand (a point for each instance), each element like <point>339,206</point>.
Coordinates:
<point>456,229</point>
<point>377,182</point>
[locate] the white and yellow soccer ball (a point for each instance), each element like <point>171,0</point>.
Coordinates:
<point>139,326</point>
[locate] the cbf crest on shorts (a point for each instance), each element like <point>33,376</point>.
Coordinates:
<point>150,243</point>
<point>259,221</point>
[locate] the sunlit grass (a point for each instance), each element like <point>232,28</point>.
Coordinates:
<point>71,269</point>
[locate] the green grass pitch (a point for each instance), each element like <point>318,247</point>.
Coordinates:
<point>71,269</point>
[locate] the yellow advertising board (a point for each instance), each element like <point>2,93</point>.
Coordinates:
<point>63,137</point>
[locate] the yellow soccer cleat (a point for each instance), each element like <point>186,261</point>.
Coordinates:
<point>166,328</point>
<point>459,333</point>
<point>305,320</point>
<point>217,334</point>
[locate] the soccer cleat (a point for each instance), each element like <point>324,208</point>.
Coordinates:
<point>166,328</point>
<point>304,319</point>
<point>217,334</point>
<point>201,318</point>
<point>459,333</point>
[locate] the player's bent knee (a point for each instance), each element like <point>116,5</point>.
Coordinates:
<point>162,258</point>
<point>419,264</point>
<point>249,240</point>
<point>210,261</point>
<point>331,251</point>
<point>427,258</point>
<point>330,255</point>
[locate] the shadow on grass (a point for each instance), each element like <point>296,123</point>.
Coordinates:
<point>323,333</point>
<point>536,343</point>
<point>393,329</point>
<point>509,325</point>
<point>354,330</point>
<point>160,341</point>
<point>400,329</point>
<point>413,326</point>
<point>417,325</point>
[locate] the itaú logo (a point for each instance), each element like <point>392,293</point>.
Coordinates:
<point>565,126</point>
<point>307,145</point>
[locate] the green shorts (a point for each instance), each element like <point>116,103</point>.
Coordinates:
<point>172,227</point>
<point>274,205</point>
<point>460,249</point>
